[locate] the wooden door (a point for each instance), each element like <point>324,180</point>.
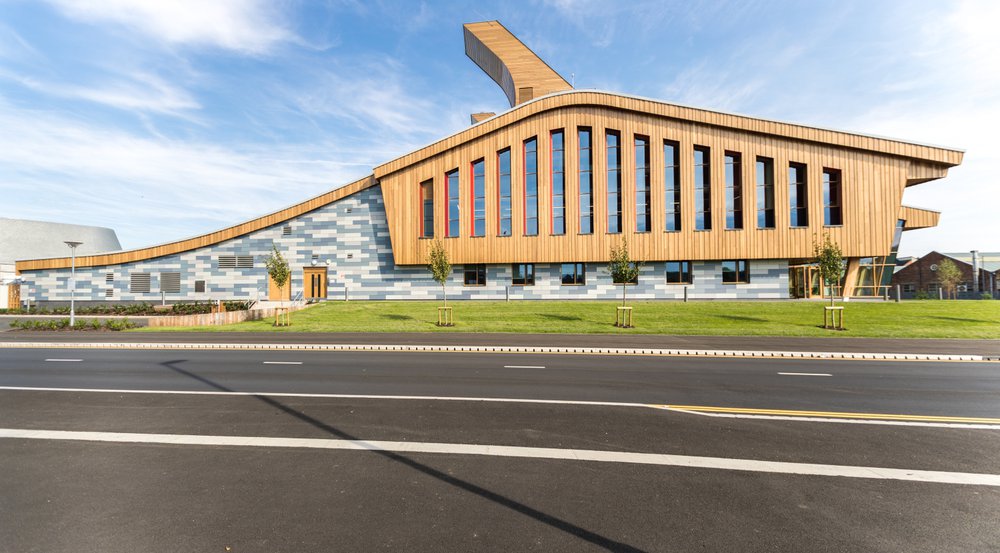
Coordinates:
<point>279,294</point>
<point>13,296</point>
<point>314,283</point>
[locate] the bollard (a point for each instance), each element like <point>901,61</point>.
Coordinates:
<point>899,294</point>
<point>507,290</point>
<point>685,294</point>
<point>346,298</point>
<point>940,293</point>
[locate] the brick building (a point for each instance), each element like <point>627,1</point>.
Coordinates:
<point>920,275</point>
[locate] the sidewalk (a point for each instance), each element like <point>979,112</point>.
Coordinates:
<point>986,348</point>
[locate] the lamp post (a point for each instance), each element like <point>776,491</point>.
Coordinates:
<point>72,282</point>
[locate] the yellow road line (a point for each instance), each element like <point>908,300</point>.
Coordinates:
<point>829,414</point>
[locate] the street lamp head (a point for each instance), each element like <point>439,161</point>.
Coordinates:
<point>72,244</point>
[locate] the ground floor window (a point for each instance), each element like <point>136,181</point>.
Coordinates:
<point>735,272</point>
<point>475,275</point>
<point>678,272</point>
<point>524,274</point>
<point>574,274</point>
<point>909,288</point>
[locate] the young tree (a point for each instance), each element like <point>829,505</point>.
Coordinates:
<point>949,276</point>
<point>831,262</point>
<point>622,268</point>
<point>277,268</point>
<point>439,266</point>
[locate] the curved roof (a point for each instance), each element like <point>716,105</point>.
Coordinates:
<point>24,239</point>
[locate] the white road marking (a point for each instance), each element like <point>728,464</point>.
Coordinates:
<point>805,374</point>
<point>282,362</point>
<point>506,400</point>
<point>720,463</point>
<point>64,360</point>
<point>524,366</point>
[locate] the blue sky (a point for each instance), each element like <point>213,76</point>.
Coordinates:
<point>164,120</point>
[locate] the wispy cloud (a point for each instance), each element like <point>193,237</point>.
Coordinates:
<point>246,26</point>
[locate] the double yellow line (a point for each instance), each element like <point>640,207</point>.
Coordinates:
<point>828,414</point>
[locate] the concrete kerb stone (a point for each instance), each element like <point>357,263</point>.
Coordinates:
<point>498,349</point>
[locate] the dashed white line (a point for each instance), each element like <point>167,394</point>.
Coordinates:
<point>282,362</point>
<point>805,374</point>
<point>524,366</point>
<point>719,463</point>
<point>64,360</point>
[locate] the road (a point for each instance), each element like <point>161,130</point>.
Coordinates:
<point>123,450</point>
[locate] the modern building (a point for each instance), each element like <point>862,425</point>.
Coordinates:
<point>23,239</point>
<point>530,201</point>
<point>920,278</point>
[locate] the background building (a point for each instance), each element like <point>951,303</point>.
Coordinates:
<point>920,277</point>
<point>529,203</point>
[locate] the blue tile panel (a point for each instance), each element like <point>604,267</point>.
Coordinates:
<point>353,235</point>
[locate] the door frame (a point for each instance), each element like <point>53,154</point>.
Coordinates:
<point>307,285</point>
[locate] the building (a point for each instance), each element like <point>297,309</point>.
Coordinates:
<point>529,202</point>
<point>919,278</point>
<point>22,239</point>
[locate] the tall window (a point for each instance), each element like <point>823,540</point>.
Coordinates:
<point>643,217</point>
<point>523,274</point>
<point>735,272</point>
<point>586,183</point>
<point>734,190</point>
<point>427,209</point>
<point>672,186</point>
<point>531,187</point>
<point>832,198</point>
<point>558,184</point>
<point>702,189</point>
<point>574,274</point>
<point>614,155</point>
<point>478,195</point>
<point>678,272</point>
<point>503,191</point>
<point>451,191</point>
<point>475,275</point>
<point>798,195</point>
<point>765,192</point>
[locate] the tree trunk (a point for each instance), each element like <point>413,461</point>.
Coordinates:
<point>624,289</point>
<point>444,292</point>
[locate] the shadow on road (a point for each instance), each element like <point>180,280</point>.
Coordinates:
<point>504,501</point>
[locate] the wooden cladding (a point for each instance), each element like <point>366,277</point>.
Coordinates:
<point>872,185</point>
<point>917,218</point>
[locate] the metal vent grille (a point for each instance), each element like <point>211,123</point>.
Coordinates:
<point>199,286</point>
<point>109,277</point>
<point>170,283</point>
<point>139,282</point>
<point>109,293</point>
<point>244,261</point>
<point>227,261</point>
<point>286,230</point>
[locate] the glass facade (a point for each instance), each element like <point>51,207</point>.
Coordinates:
<point>574,273</point>
<point>671,186</point>
<point>875,273</point>
<point>702,189</point>
<point>678,272</point>
<point>765,192</point>
<point>586,182</point>
<point>478,195</point>
<point>643,192</point>
<point>735,272</point>
<point>503,193</point>
<point>734,191</point>
<point>475,275</point>
<point>531,187</point>
<point>427,209</point>
<point>832,198</point>
<point>523,274</point>
<point>798,195</point>
<point>614,155</point>
<point>558,184</point>
<point>451,191</point>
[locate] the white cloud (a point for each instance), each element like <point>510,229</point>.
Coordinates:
<point>246,26</point>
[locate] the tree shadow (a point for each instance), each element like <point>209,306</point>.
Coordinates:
<point>395,317</point>
<point>959,319</point>
<point>557,317</point>
<point>504,501</point>
<point>741,318</point>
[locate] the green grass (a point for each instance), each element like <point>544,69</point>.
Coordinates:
<point>910,319</point>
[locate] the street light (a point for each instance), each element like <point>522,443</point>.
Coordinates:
<point>72,282</point>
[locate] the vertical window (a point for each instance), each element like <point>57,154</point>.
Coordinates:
<point>678,272</point>
<point>503,191</point>
<point>765,192</point>
<point>643,216</point>
<point>798,195</point>
<point>451,191</point>
<point>427,209</point>
<point>614,155</point>
<point>672,186</point>
<point>524,274</point>
<point>558,184</point>
<point>702,189</point>
<point>586,183</point>
<point>531,187</point>
<point>735,272</point>
<point>574,274</point>
<point>734,190</point>
<point>832,198</point>
<point>478,197</point>
<point>475,275</point>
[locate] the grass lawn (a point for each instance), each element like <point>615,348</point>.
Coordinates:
<point>909,319</point>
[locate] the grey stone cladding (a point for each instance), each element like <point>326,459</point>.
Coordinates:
<point>351,238</point>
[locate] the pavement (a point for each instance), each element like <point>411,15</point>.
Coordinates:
<point>164,450</point>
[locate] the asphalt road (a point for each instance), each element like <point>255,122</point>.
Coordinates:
<point>59,494</point>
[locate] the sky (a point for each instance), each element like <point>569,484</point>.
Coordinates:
<point>169,119</point>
